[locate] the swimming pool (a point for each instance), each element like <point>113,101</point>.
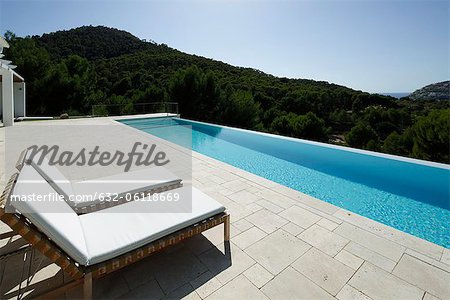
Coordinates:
<point>410,195</point>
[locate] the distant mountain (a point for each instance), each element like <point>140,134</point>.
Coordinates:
<point>435,91</point>
<point>396,95</point>
<point>92,42</point>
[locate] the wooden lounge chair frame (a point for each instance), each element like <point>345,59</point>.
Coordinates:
<point>89,208</point>
<point>85,274</point>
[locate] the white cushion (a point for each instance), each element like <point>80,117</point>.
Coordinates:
<point>96,237</point>
<point>113,231</point>
<point>94,191</point>
<point>119,185</point>
<point>52,174</point>
<point>56,219</point>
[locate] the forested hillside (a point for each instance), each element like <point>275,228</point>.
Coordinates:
<point>70,71</point>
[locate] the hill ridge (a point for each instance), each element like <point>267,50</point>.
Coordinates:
<point>73,70</point>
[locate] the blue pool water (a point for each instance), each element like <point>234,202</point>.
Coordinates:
<point>409,195</point>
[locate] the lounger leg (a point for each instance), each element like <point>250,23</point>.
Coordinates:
<point>226,225</point>
<point>87,286</point>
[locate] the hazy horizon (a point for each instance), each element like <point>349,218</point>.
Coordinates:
<point>373,46</point>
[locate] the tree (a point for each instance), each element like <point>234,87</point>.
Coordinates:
<point>340,119</point>
<point>196,92</point>
<point>311,127</point>
<point>431,136</point>
<point>239,109</point>
<point>307,126</point>
<point>400,144</point>
<point>69,85</point>
<point>33,63</point>
<point>284,124</point>
<point>373,145</point>
<point>360,135</point>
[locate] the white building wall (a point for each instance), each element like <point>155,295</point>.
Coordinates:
<point>19,99</point>
<point>7,98</point>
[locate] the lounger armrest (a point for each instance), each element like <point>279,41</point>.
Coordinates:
<point>123,187</point>
<point>7,193</point>
<point>21,161</point>
<point>93,206</point>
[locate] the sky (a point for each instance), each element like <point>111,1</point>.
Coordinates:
<point>374,46</point>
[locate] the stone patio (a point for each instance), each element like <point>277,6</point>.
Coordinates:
<point>284,245</point>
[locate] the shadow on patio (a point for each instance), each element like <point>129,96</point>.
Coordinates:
<point>172,274</point>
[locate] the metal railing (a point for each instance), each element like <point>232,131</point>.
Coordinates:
<point>103,110</point>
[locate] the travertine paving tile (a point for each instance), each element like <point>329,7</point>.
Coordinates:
<point>243,197</point>
<point>326,272</point>
<point>249,237</point>
<point>286,191</point>
<point>242,224</point>
<point>349,259</point>
<point>238,288</point>
<point>224,266</point>
<point>290,284</point>
<point>236,185</point>
<point>300,216</point>
<point>379,284</point>
<point>224,191</point>
<point>323,239</point>
<point>198,244</point>
<point>225,175</point>
<point>254,207</point>
<point>267,221</point>
<point>224,200</point>
<point>237,211</point>
<point>428,296</point>
<point>137,274</point>
<point>276,198</point>
<point>293,229</point>
<point>428,260</point>
<point>216,179</point>
<point>255,180</point>
<point>429,278</point>
<point>378,244</point>
<point>319,205</point>
<point>180,267</point>
<point>103,288</point>
<point>390,233</point>
<point>320,213</point>
<point>270,206</point>
<point>3,227</point>
<point>348,292</point>
<point>205,284</point>
<point>253,189</point>
<point>150,290</point>
<point>370,256</point>
<point>327,224</point>
<point>234,231</point>
<point>186,292</point>
<point>12,243</point>
<point>277,250</point>
<point>446,256</point>
<point>214,235</point>
<point>258,275</point>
